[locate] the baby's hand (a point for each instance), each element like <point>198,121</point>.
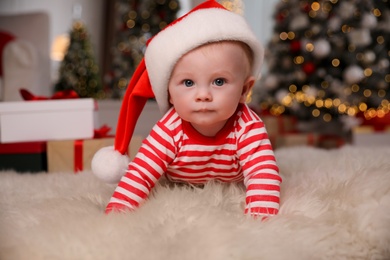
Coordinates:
<point>263,218</point>
<point>261,214</point>
<point>117,208</point>
<point>257,215</point>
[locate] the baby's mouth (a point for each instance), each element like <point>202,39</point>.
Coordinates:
<point>204,110</point>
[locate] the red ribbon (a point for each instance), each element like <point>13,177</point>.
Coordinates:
<point>338,141</point>
<point>65,94</point>
<point>78,155</point>
<point>286,120</point>
<point>280,121</point>
<point>101,132</point>
<point>79,145</point>
<point>310,139</point>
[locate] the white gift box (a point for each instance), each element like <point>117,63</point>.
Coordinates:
<point>45,120</point>
<point>367,136</point>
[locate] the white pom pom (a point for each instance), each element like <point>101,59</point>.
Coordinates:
<point>109,165</point>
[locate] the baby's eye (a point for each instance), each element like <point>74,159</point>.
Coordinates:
<point>219,82</point>
<point>188,83</point>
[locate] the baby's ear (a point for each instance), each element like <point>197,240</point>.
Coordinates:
<point>247,89</point>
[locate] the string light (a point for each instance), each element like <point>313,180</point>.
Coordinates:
<point>335,62</point>
<point>299,60</point>
<point>327,7</point>
<point>315,6</point>
<point>309,47</point>
<point>283,36</point>
<point>335,88</point>
<point>342,108</point>
<point>291,35</point>
<point>327,117</point>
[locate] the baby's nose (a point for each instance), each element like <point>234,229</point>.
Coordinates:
<point>203,94</point>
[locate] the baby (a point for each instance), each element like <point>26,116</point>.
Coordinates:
<point>201,82</point>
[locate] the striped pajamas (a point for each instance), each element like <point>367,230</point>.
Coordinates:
<point>240,152</point>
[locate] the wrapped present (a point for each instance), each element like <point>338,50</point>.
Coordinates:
<point>294,139</point>
<point>367,135</point>
<point>76,155</point>
<point>331,141</point>
<point>23,156</point>
<point>376,123</point>
<point>42,120</point>
<point>276,125</point>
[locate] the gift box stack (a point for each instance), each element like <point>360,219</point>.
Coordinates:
<point>283,131</point>
<point>52,134</point>
<point>373,131</point>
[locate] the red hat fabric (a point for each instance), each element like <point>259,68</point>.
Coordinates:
<point>109,163</point>
<point>208,22</point>
<point>137,93</point>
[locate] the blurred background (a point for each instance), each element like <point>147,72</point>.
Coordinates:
<point>325,81</point>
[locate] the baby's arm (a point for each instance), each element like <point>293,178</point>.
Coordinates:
<point>261,174</point>
<point>143,172</point>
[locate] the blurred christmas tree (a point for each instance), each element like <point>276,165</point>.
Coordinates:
<point>328,60</point>
<point>135,22</point>
<point>78,69</point>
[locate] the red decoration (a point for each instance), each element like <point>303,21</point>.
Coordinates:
<point>78,147</point>
<point>295,46</point>
<point>23,147</point>
<point>162,15</point>
<point>101,132</point>
<point>331,141</point>
<point>309,68</point>
<point>306,7</point>
<point>377,123</point>
<point>78,155</point>
<point>280,17</point>
<point>65,94</point>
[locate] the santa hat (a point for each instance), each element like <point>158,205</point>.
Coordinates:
<point>208,22</point>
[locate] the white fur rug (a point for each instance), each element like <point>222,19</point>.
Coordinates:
<point>335,205</point>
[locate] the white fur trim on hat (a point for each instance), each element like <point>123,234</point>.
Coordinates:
<point>197,28</point>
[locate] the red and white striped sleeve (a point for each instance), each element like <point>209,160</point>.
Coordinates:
<point>261,173</point>
<point>151,161</point>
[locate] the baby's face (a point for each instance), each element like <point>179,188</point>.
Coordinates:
<point>208,83</point>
